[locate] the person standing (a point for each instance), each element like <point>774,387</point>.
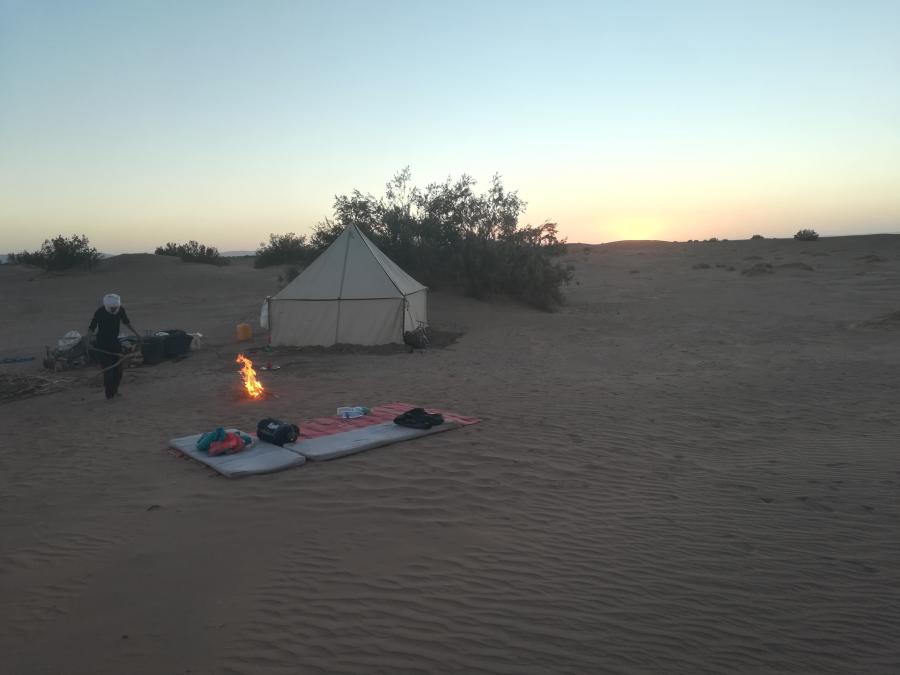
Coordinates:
<point>106,323</point>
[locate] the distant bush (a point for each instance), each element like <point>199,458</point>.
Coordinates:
<point>806,235</point>
<point>758,269</point>
<point>290,273</point>
<point>757,236</point>
<point>447,234</point>
<point>284,249</point>
<point>60,253</point>
<point>193,252</point>
<point>713,239</point>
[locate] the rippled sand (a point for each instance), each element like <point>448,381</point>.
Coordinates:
<point>688,469</point>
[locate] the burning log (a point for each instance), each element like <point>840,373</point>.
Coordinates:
<point>252,385</point>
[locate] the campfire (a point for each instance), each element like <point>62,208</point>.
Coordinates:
<point>252,384</point>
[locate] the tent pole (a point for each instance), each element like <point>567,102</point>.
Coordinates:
<point>405,312</point>
<point>337,324</point>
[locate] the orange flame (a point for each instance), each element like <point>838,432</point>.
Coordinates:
<point>251,383</point>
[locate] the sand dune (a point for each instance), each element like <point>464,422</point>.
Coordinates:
<point>686,469</point>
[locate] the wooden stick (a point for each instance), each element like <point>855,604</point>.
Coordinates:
<point>122,358</point>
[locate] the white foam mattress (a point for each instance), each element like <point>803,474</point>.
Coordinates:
<point>261,457</point>
<point>359,440</point>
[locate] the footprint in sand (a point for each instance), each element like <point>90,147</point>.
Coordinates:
<point>816,505</point>
<point>738,486</point>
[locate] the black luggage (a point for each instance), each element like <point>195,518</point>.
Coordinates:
<point>276,432</point>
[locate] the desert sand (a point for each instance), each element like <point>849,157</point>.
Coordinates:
<point>686,469</point>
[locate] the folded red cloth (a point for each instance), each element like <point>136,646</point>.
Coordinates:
<point>231,444</point>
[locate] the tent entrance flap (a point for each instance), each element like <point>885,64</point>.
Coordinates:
<point>416,311</point>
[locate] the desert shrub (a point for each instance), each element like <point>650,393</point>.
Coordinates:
<point>759,268</point>
<point>806,235</point>
<point>60,253</point>
<point>757,236</point>
<point>713,239</point>
<point>193,252</point>
<point>289,274</point>
<point>284,249</point>
<point>447,234</point>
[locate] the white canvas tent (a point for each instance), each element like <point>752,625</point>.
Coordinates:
<point>351,294</point>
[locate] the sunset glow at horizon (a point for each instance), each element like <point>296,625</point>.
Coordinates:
<point>145,122</point>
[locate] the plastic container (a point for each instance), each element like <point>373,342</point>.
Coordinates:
<point>153,349</point>
<point>244,331</point>
<point>176,342</point>
<point>349,412</point>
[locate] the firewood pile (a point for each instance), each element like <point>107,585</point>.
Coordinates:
<point>15,387</point>
<point>131,354</point>
<point>70,353</point>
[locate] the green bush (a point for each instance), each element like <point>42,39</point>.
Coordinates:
<point>445,234</point>
<point>757,236</point>
<point>60,253</point>
<point>806,235</point>
<point>289,274</point>
<point>193,252</point>
<point>283,249</point>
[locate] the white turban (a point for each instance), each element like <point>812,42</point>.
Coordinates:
<point>112,302</point>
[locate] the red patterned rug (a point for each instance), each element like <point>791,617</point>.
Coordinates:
<point>325,426</point>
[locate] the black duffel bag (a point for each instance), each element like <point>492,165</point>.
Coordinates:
<point>276,432</point>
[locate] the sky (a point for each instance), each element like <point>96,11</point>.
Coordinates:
<point>142,122</point>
